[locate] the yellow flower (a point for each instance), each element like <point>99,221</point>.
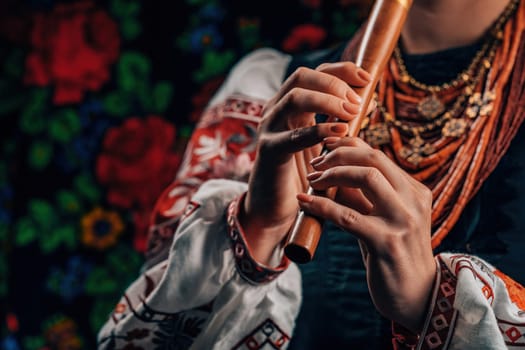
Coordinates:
<point>100,228</point>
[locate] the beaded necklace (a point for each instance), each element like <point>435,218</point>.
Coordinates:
<point>451,136</point>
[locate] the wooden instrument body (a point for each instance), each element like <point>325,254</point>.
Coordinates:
<point>380,37</point>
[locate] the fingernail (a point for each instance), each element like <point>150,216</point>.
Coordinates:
<point>352,96</point>
<point>316,160</point>
<point>364,75</point>
<point>314,176</point>
<point>351,108</point>
<point>303,197</point>
<point>330,140</point>
<point>338,128</point>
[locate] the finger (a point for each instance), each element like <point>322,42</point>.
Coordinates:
<point>348,72</point>
<point>362,226</point>
<point>354,151</point>
<point>298,107</point>
<point>354,198</point>
<point>295,140</point>
<point>364,251</point>
<point>325,82</point>
<point>369,180</point>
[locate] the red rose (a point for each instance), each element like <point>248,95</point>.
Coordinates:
<point>137,161</point>
<point>141,224</point>
<point>306,36</point>
<point>72,48</point>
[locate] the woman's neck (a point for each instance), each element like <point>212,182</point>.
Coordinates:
<point>434,25</point>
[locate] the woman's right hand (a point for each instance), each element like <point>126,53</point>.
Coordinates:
<point>288,138</point>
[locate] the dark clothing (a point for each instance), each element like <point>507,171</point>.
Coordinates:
<point>337,312</point>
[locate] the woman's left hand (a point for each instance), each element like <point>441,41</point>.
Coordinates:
<point>390,213</point>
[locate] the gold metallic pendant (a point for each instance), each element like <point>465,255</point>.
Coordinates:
<point>377,134</point>
<point>430,107</point>
<point>454,128</point>
<point>488,103</point>
<point>416,149</point>
<point>474,105</point>
<point>480,105</point>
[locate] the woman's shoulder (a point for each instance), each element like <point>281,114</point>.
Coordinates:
<point>256,75</point>
<point>260,73</point>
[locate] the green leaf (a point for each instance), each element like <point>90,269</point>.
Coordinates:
<point>249,36</point>
<point>43,214</point>
<point>64,126</point>
<point>133,8</point>
<point>124,262</point>
<point>125,8</point>
<point>68,201</point>
<point>133,70</point>
<point>64,235</point>
<point>186,131</point>
<point>162,96</point>
<point>100,282</point>
<point>32,120</point>
<point>214,64</point>
<point>54,281</point>
<point>25,231</point>
<point>33,342</point>
<point>40,154</point>
<point>130,28</point>
<point>117,103</point>
<point>344,25</point>
<point>84,185</point>
<point>100,310</point>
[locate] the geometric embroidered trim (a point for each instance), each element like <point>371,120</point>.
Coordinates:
<point>402,338</point>
<point>248,268</point>
<point>513,333</point>
<point>266,336</point>
<point>440,323</point>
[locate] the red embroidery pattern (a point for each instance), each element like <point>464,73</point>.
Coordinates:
<point>221,146</point>
<point>440,325</point>
<point>402,338</point>
<point>513,333</point>
<point>191,207</point>
<point>465,262</point>
<point>249,269</point>
<point>266,336</point>
<point>235,106</point>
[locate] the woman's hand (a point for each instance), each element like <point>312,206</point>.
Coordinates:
<point>288,138</point>
<point>390,213</point>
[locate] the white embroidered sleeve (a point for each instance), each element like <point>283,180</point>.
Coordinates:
<point>257,75</point>
<point>474,306</point>
<point>210,293</point>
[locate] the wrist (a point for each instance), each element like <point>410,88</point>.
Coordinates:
<point>249,268</point>
<point>263,233</point>
<point>419,302</point>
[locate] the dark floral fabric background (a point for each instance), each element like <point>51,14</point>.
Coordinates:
<point>97,100</point>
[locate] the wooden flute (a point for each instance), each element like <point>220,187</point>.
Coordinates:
<point>380,37</point>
